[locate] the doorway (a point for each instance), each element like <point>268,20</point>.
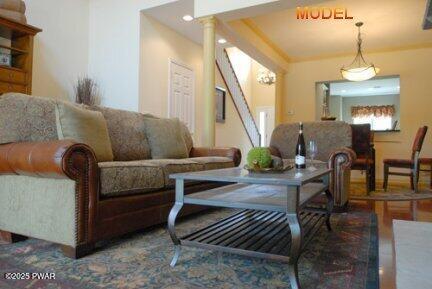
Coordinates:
<point>266,122</point>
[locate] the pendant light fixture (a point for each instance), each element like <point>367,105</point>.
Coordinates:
<point>359,69</point>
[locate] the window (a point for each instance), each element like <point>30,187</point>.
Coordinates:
<point>377,123</point>
<point>380,117</point>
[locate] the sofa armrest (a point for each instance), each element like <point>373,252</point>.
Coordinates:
<point>232,153</point>
<point>341,161</point>
<point>60,160</point>
<point>53,159</point>
<point>343,156</point>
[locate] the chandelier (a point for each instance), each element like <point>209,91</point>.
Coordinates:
<point>265,76</point>
<point>359,69</point>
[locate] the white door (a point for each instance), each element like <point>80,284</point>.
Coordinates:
<point>266,122</point>
<point>181,98</point>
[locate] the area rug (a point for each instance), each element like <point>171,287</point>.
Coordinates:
<point>344,258</point>
<point>393,193</point>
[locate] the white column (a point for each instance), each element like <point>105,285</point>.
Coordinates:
<point>209,83</point>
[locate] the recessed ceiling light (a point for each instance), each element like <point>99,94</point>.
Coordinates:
<point>370,88</point>
<point>222,41</point>
<point>188,18</point>
<point>343,90</point>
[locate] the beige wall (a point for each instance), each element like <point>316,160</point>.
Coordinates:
<point>413,66</point>
<point>61,50</point>
<point>159,44</point>
<point>231,133</point>
<point>262,94</point>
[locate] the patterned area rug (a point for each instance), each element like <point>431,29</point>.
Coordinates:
<point>393,193</point>
<point>344,258</point>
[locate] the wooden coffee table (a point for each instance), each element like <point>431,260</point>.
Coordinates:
<point>276,222</point>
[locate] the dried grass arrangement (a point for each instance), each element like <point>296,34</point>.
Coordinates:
<point>86,92</point>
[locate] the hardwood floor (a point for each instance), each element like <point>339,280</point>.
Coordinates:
<point>387,212</point>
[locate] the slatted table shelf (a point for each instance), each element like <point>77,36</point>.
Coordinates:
<point>254,233</point>
<point>276,221</point>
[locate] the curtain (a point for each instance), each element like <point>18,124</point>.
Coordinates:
<point>375,110</point>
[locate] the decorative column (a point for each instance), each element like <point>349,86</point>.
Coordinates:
<point>279,103</point>
<point>209,83</point>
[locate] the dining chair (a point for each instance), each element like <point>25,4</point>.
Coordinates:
<point>427,162</point>
<point>362,145</point>
<point>412,164</point>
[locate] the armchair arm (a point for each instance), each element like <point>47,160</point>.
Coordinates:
<point>63,159</point>
<point>53,159</point>
<point>232,153</point>
<point>341,161</point>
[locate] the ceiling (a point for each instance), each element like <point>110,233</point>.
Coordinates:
<point>171,15</point>
<point>383,86</point>
<point>388,24</point>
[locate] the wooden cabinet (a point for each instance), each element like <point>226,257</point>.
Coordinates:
<point>19,44</point>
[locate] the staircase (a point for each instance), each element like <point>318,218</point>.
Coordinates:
<point>226,70</point>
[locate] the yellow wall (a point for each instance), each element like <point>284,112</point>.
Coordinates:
<point>262,94</point>
<point>159,44</point>
<point>413,66</point>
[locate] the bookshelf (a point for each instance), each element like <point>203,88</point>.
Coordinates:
<point>17,47</point>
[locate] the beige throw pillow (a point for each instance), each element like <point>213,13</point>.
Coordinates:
<point>187,137</point>
<point>84,126</point>
<point>165,137</point>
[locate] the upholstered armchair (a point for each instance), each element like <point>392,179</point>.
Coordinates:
<point>334,148</point>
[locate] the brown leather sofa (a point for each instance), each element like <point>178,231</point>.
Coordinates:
<point>55,190</point>
<point>334,143</point>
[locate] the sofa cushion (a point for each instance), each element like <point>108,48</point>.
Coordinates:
<point>329,136</point>
<point>187,137</point>
<point>126,178</point>
<point>173,166</point>
<point>166,138</point>
<point>127,133</point>
<point>25,118</point>
<point>214,163</point>
<point>84,126</point>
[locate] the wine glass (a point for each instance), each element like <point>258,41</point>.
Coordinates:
<point>313,151</point>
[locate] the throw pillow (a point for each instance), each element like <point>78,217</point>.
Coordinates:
<point>84,126</point>
<point>187,137</point>
<point>165,137</point>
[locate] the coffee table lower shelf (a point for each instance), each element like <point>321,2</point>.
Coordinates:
<point>253,233</point>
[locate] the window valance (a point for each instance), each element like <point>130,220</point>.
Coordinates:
<point>375,110</point>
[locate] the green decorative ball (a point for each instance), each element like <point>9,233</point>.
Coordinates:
<point>259,158</point>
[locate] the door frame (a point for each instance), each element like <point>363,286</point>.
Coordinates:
<point>179,63</point>
<point>258,109</point>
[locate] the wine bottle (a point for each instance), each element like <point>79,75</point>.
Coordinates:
<point>300,158</point>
